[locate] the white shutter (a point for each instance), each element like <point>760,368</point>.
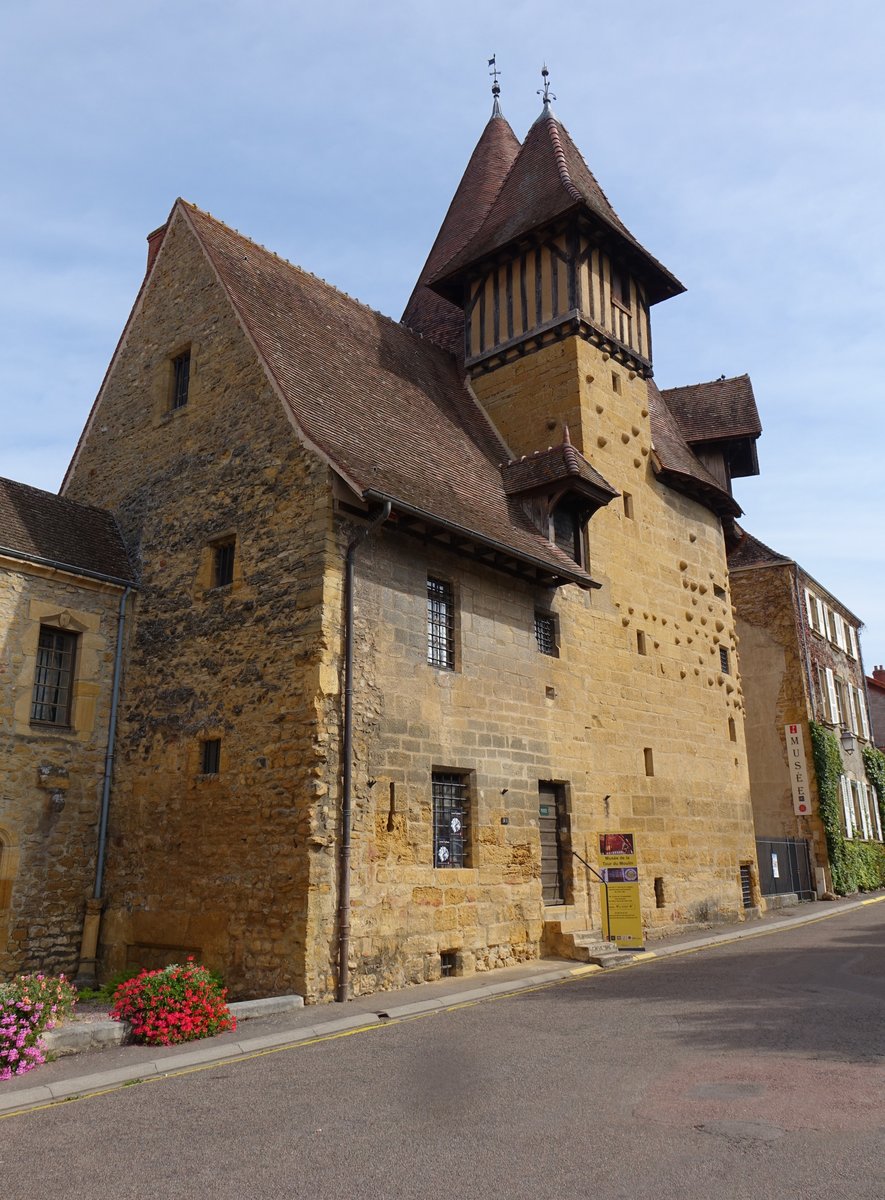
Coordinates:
<point>809,606</point>
<point>852,641</point>
<point>821,616</point>
<point>874,812</point>
<point>840,632</point>
<point>833,698</point>
<point>861,796</point>
<point>846,806</point>
<point>862,709</point>
<point>851,718</point>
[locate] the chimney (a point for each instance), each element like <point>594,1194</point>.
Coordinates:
<point>154,241</point>
<point>879,675</point>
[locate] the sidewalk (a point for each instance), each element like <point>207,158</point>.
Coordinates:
<point>100,1070</point>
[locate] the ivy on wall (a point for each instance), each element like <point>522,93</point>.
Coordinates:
<point>874,764</point>
<point>854,865</point>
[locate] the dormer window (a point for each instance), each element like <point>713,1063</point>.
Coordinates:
<point>567,529</point>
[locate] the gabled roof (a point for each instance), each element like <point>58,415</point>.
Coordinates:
<point>675,463</point>
<point>545,469</point>
<point>40,526</point>
<point>744,550</point>
<point>388,410</point>
<point>717,411</point>
<point>495,152</point>
<point>548,179</point>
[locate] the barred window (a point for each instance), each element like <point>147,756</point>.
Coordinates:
<point>724,664</point>
<point>54,677</point>
<point>451,820</point>
<point>181,374</point>
<point>223,563</point>
<point>545,633</point>
<point>440,624</point>
<point>211,758</point>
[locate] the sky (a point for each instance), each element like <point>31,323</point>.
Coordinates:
<point>744,145</point>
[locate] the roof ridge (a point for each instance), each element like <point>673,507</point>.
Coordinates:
<point>684,387</point>
<point>559,154</point>
<point>319,278</point>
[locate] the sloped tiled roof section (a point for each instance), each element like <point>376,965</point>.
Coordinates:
<point>388,409</point>
<point>426,312</point>
<point>546,468</point>
<point>40,525</point>
<point>548,179</point>
<point>675,463</point>
<point>744,550</point>
<point>717,411</point>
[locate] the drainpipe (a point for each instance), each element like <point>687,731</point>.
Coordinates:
<point>347,750</point>
<point>89,942</point>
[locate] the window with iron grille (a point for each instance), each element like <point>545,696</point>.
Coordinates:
<point>545,633</point>
<point>211,760</point>
<point>440,624</point>
<point>723,661</point>
<point>451,819</point>
<point>54,677</point>
<point>181,376</point>
<point>223,563</point>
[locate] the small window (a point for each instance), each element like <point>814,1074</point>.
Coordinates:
<point>616,383</point>
<point>641,646</point>
<point>440,624</point>
<point>223,563</point>
<point>718,592</point>
<point>732,730</point>
<point>451,819</point>
<point>448,963</point>
<point>620,286</point>
<point>211,756</point>
<point>181,375</point>
<point>54,677</point>
<point>724,663</point>
<point>545,634</point>
<point>628,505</point>
<point>660,898</point>
<point>649,760</point>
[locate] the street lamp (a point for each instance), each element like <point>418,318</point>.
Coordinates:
<point>847,740</point>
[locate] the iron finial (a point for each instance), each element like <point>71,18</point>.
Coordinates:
<point>496,87</point>
<point>545,93</point>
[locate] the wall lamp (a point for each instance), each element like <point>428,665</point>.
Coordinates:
<point>847,739</point>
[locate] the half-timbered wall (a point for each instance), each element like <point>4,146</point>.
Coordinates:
<point>566,277</point>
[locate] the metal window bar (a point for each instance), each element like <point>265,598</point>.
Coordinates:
<point>451,811</point>
<point>545,633</point>
<point>723,660</point>
<point>181,372</point>
<point>53,677</point>
<point>746,886</point>
<point>224,564</point>
<point>440,624</point>
<point>211,756</point>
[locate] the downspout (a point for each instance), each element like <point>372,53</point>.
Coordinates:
<point>347,751</point>
<point>86,974</point>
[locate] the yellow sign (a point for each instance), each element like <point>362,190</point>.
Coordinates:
<point>621,911</point>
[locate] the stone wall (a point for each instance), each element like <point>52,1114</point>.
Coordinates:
<point>50,776</point>
<point>215,864</point>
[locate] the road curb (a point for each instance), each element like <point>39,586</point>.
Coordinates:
<point>205,1056</point>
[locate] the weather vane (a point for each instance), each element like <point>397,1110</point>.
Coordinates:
<point>545,93</point>
<point>496,87</point>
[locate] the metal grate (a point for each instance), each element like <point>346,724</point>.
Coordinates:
<point>545,633</point>
<point>53,678</point>
<point>224,563</point>
<point>451,810</point>
<point>448,963</point>
<point>746,886</point>
<point>723,660</point>
<point>440,624</point>
<point>181,375</point>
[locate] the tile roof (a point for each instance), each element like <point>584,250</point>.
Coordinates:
<point>744,550</point>
<point>388,409</point>
<point>676,464</point>
<point>548,179</point>
<point>554,465</point>
<point>715,411</point>
<point>426,312</point>
<point>41,525</point>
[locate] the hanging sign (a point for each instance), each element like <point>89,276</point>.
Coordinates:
<point>621,911</point>
<point>798,770</point>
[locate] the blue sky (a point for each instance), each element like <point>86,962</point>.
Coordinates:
<point>744,145</point>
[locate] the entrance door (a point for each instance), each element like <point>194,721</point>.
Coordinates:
<point>551,822</point>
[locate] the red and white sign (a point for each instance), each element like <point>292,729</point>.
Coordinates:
<point>798,770</point>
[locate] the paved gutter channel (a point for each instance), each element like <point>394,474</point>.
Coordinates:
<point>275,1022</point>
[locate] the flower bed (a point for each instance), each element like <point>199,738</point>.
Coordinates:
<point>175,1004</point>
<point>29,1005</point>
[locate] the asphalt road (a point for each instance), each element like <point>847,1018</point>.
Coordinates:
<point>755,1069</point>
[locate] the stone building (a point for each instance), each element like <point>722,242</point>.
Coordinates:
<point>800,662</point>
<point>63,576</point>
<point>876,699</point>
<point>424,606</point>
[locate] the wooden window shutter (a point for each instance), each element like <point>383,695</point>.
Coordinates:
<point>832,696</point>
<point>862,709</point>
<point>846,806</point>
